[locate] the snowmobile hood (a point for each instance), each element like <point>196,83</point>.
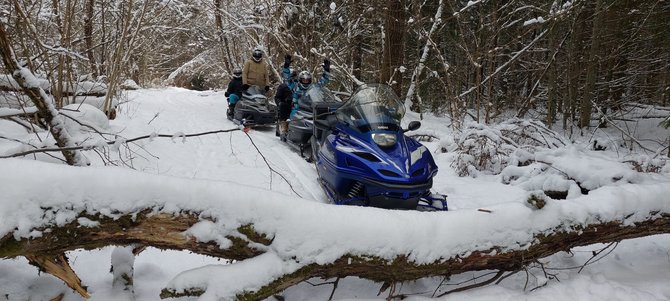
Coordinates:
<point>406,162</point>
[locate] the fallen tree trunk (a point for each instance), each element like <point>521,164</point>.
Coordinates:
<point>400,269</point>
<point>162,231</point>
<point>165,231</point>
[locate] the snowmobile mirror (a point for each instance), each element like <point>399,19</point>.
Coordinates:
<point>413,126</point>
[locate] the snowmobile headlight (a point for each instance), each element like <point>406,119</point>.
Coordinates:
<point>384,139</point>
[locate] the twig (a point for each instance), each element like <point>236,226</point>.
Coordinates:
<point>87,147</point>
<point>322,283</point>
<point>473,279</point>
<point>268,164</point>
<point>475,285</point>
<point>152,119</point>
<point>609,121</point>
<point>332,293</point>
<point>28,144</point>
<point>525,285</point>
<point>589,262</point>
<point>508,275</point>
<point>84,124</point>
<point>445,278</point>
<point>595,254</point>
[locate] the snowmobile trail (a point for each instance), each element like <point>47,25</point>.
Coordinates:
<point>301,169</point>
<point>284,160</point>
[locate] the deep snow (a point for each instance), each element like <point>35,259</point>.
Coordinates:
<point>224,174</point>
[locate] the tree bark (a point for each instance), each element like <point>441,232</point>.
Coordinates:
<point>551,78</point>
<point>586,105</point>
<point>394,49</point>
<point>424,56</point>
<point>218,20</point>
<point>400,269</point>
<point>88,37</point>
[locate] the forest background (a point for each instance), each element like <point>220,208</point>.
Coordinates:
<point>569,63</point>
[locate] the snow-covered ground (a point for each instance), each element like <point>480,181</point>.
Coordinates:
<point>229,166</point>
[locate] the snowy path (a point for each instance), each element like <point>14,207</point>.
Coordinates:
<point>221,157</point>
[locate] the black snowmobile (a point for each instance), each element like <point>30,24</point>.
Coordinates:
<point>254,109</point>
<point>315,102</point>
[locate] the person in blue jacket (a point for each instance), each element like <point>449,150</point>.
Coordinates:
<point>234,91</point>
<point>303,81</point>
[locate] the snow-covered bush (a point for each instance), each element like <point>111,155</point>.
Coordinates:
<point>490,149</point>
<point>646,164</point>
<point>83,117</point>
<point>482,149</point>
<point>531,133</point>
<point>129,84</point>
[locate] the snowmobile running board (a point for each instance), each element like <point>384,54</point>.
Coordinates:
<point>250,124</point>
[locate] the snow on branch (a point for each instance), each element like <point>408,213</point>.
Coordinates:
<point>467,6</point>
<point>115,143</point>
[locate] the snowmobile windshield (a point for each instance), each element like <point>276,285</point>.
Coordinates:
<point>372,108</point>
<point>316,94</point>
<point>255,90</point>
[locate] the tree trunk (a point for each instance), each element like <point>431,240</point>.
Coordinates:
<point>551,78</point>
<point>573,73</point>
<point>88,37</point>
<point>424,56</point>
<point>57,82</point>
<point>116,71</point>
<point>218,20</point>
<point>590,93</point>
<point>394,49</point>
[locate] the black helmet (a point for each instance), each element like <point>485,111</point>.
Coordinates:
<point>237,72</point>
<point>304,79</point>
<point>257,55</point>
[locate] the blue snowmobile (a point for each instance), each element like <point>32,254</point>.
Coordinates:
<point>363,157</point>
<point>254,109</point>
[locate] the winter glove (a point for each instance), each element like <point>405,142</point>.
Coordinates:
<point>267,88</point>
<point>226,94</point>
<point>287,61</point>
<point>326,65</point>
<point>245,87</point>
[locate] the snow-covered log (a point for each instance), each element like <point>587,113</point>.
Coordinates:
<point>279,240</point>
<point>167,231</point>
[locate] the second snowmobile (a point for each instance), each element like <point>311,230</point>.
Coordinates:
<point>254,109</point>
<point>315,102</point>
